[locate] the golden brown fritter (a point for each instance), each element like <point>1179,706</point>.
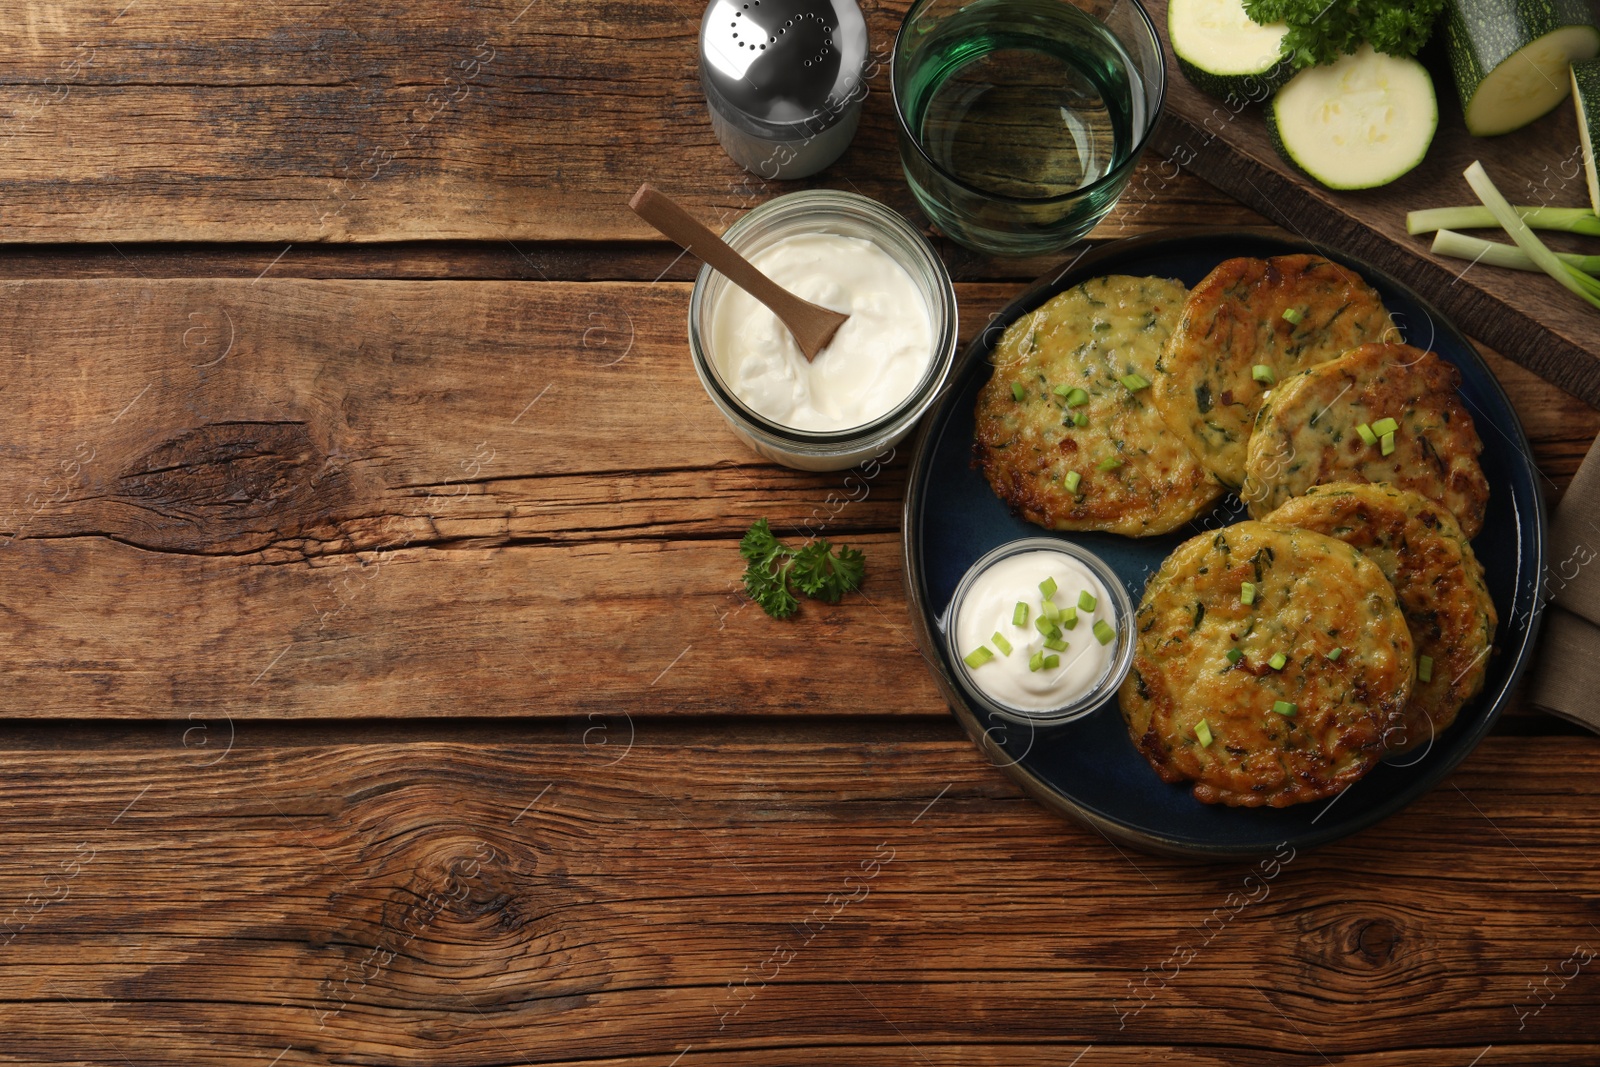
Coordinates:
<point>1233,322</point>
<point>1308,432</point>
<point>1311,594</point>
<point>1424,554</point>
<point>1133,477</point>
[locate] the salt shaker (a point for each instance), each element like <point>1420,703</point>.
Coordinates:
<point>784,81</point>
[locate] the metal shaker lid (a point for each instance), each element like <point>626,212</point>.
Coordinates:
<point>783,69</point>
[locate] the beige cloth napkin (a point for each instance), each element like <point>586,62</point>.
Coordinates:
<point>1566,676</point>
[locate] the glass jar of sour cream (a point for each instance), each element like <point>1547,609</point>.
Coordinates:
<point>884,369</point>
<point>1040,631</point>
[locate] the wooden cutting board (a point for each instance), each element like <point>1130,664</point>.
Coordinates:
<point>1528,317</point>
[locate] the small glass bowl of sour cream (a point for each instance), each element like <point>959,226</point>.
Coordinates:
<point>1011,614</point>
<point>883,369</point>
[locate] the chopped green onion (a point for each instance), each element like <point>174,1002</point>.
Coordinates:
<point>1050,610</point>
<point>1425,668</point>
<point>1072,481</point>
<point>1388,443</point>
<point>1018,392</point>
<point>1517,227</point>
<point>1046,627</point>
<point>1383,426</point>
<point>1247,593</point>
<point>1202,733</point>
<point>1069,617</point>
<point>1036,661</point>
<point>1473,217</point>
<point>1048,588</point>
<point>1001,643</point>
<point>1062,390</point>
<point>1050,663</point>
<point>1135,382</point>
<point>1019,614</point>
<point>1263,374</point>
<point>1076,398</point>
<point>1086,600</point>
<point>1293,315</point>
<point>978,656</point>
<point>1366,434</point>
<point>1336,653</point>
<point>1110,463</point>
<point>1080,418</point>
<point>1234,655</point>
<point>1283,707</point>
<point>1277,661</point>
<point>1055,644</point>
<point>1103,632</point>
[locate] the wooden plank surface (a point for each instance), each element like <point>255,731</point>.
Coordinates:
<point>231,894</point>
<point>1528,317</point>
<point>318,121</point>
<point>399,540</point>
<point>135,123</point>
<point>315,498</point>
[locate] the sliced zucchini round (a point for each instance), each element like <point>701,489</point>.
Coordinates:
<point>1357,123</point>
<point>1510,57</point>
<point>1223,52</point>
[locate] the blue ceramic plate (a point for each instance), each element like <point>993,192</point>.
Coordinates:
<point>1089,770</point>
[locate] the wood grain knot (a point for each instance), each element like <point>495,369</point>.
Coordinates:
<point>1377,940</point>
<point>433,878</point>
<point>1366,942</point>
<point>229,487</point>
<point>483,912</point>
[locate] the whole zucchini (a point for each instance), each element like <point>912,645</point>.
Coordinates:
<point>1586,94</point>
<point>1510,57</point>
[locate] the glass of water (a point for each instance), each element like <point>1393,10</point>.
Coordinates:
<point>1021,120</point>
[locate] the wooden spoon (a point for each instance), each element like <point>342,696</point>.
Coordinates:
<point>812,326</point>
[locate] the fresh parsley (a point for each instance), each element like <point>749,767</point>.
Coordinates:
<point>774,571</point>
<point>1320,31</point>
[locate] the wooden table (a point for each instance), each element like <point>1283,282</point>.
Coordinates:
<point>378,687</point>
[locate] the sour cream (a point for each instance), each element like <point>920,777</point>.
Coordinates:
<point>873,363</point>
<point>990,606</point>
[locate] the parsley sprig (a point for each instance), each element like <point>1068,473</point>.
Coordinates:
<point>775,571</point>
<point>1321,32</point>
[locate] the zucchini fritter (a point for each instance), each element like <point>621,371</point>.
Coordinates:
<point>1134,478</point>
<point>1234,322</point>
<point>1279,734</point>
<point>1422,551</point>
<point>1307,433</point>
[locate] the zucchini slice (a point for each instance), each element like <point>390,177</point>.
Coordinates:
<point>1586,95</point>
<point>1509,57</point>
<point>1225,53</point>
<point>1357,123</point>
